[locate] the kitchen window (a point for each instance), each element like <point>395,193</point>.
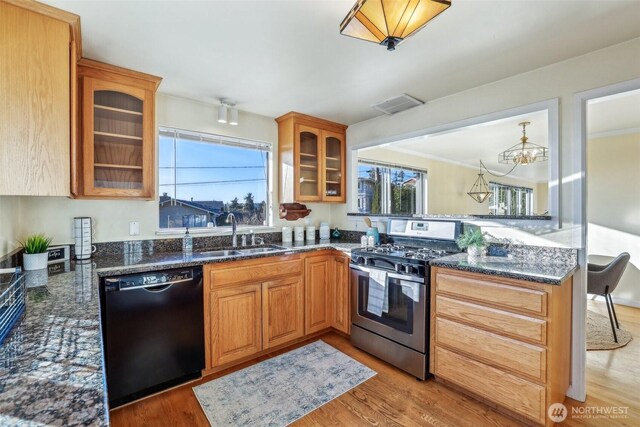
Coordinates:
<point>390,189</point>
<point>510,200</point>
<point>204,177</point>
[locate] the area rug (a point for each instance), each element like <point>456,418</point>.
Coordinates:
<point>281,390</point>
<point>600,336</point>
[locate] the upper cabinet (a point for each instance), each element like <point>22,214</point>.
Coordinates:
<point>116,158</point>
<point>38,49</point>
<point>312,159</point>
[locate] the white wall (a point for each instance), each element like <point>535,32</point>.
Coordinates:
<point>54,215</point>
<point>10,228</point>
<point>613,208</point>
<point>562,80</point>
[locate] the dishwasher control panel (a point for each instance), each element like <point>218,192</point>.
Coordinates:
<point>148,279</point>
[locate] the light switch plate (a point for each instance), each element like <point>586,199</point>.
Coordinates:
<point>134,228</point>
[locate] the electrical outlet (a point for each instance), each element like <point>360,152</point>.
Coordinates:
<point>134,228</point>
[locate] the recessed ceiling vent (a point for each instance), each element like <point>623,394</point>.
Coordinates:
<point>397,104</point>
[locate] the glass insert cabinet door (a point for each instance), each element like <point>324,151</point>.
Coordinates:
<point>334,166</point>
<point>308,163</point>
<point>117,146</point>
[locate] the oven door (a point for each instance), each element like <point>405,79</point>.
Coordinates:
<point>401,317</point>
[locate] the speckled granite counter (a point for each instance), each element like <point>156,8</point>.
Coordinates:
<point>141,261</point>
<point>51,366</point>
<point>51,370</point>
<point>538,268</point>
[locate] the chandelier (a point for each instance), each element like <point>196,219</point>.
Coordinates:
<point>480,190</point>
<point>525,152</point>
<point>389,22</point>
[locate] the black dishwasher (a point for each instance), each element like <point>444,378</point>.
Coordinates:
<point>153,331</point>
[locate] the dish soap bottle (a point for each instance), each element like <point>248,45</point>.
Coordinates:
<point>187,242</point>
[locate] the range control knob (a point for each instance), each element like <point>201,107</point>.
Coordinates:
<point>408,268</point>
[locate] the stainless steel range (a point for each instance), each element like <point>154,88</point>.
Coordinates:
<point>390,294</point>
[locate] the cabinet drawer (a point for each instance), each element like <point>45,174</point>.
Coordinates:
<point>523,299</point>
<point>515,356</point>
<point>494,320</point>
<point>257,272</point>
<point>510,391</point>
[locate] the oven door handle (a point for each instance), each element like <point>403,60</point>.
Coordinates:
<point>392,275</point>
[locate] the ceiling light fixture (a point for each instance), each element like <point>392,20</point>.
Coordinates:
<point>479,190</point>
<point>524,152</point>
<point>389,22</point>
<point>233,117</point>
<point>227,106</point>
<point>222,114</point>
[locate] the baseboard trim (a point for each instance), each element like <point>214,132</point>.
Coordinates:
<point>616,300</point>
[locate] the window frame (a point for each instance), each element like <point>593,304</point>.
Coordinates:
<point>222,140</point>
<point>494,187</point>
<point>421,187</point>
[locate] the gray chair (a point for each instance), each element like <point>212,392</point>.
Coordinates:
<point>603,279</point>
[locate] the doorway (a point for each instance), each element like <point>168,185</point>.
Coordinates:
<point>603,159</point>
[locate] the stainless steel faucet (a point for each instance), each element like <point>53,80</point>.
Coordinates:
<point>231,218</point>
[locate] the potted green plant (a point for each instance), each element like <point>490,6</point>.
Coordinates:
<point>473,241</point>
<point>35,255</point>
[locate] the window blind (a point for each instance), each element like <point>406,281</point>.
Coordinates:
<point>215,139</point>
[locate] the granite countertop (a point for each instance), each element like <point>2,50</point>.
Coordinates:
<point>538,268</point>
<point>141,261</point>
<point>51,369</point>
<point>51,365</point>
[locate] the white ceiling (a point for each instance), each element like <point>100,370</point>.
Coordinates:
<point>276,56</point>
<point>614,114</point>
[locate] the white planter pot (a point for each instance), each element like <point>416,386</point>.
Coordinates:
<point>35,261</point>
<point>476,251</point>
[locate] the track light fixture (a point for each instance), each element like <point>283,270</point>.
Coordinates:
<point>227,107</point>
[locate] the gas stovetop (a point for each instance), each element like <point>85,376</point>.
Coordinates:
<point>412,260</point>
<point>399,251</point>
<point>413,243</point>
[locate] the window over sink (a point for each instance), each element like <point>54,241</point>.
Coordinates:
<point>204,177</point>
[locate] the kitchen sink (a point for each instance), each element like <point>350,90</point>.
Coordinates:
<point>220,253</point>
<point>262,249</point>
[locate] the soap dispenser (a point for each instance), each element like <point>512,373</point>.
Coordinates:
<point>187,242</point>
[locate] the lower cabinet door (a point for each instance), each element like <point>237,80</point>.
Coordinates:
<point>282,311</point>
<point>317,276</point>
<point>341,317</point>
<point>236,323</point>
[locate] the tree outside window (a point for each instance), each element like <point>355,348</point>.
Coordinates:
<point>387,189</point>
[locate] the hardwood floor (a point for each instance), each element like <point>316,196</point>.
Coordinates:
<point>393,398</point>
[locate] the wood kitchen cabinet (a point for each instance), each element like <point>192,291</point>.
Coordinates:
<point>312,159</point>
<point>38,47</point>
<point>340,295</point>
<point>505,341</point>
<point>256,305</point>
<point>236,322</point>
<point>282,310</point>
<point>116,158</point>
<point>251,306</point>
<point>318,298</point>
